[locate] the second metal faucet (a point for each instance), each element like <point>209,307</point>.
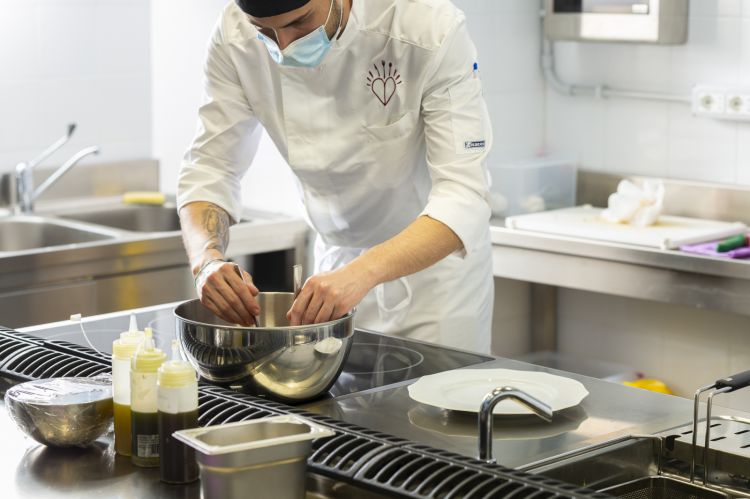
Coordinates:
<point>26,194</point>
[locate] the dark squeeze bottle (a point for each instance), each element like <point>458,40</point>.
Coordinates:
<point>178,410</point>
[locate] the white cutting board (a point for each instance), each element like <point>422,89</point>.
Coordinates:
<point>585,222</point>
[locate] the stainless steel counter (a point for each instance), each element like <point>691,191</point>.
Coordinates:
<point>660,275</point>
<point>28,469</point>
<point>633,271</point>
<point>550,262</point>
<point>32,470</point>
<point>135,257</point>
<point>611,410</point>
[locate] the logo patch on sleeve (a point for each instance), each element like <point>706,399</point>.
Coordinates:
<point>474,144</point>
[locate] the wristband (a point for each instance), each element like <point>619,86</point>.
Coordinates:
<point>204,267</point>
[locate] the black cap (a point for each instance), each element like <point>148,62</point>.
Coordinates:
<point>268,8</point>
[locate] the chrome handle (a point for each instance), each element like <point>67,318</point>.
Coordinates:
<point>53,147</point>
<point>64,169</point>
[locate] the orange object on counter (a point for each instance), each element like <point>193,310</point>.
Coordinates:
<point>653,385</point>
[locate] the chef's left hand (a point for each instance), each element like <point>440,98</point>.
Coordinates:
<point>329,296</point>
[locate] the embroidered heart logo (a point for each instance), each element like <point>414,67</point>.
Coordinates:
<point>384,89</point>
<point>384,82</point>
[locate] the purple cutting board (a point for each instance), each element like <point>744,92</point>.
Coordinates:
<point>709,249</point>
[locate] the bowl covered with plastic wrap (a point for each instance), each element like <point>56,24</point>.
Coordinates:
<point>62,412</point>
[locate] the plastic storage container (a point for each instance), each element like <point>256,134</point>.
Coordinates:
<point>532,185</point>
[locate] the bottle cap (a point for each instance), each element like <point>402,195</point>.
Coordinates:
<point>132,334</point>
<point>176,373</point>
<point>148,358</point>
<point>124,348</point>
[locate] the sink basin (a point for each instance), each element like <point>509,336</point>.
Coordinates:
<point>136,218</point>
<point>27,233</point>
<point>646,467</point>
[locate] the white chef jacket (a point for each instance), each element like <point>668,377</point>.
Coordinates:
<point>392,125</point>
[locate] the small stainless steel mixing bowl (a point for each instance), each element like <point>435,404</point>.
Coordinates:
<point>287,363</point>
<point>62,412</point>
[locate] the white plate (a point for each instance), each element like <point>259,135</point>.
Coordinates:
<point>464,389</point>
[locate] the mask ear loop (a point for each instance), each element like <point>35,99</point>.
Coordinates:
<point>341,18</point>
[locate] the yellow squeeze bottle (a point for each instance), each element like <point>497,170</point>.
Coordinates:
<point>123,350</point>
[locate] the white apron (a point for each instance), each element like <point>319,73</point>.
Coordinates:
<point>449,303</point>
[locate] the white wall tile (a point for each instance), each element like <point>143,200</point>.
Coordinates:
<point>575,128</point>
<point>517,123</point>
<point>120,49</point>
<point>744,76</point>
<point>582,63</point>
<point>717,52</point>
<point>712,54</point>
<point>508,50</point>
<point>645,67</point>
<point>67,39</point>
<point>701,149</point>
<point>19,45</point>
<point>82,61</point>
<point>715,8</point>
<point>743,154</point>
<point>635,137</point>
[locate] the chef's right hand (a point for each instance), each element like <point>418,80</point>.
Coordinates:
<point>223,291</point>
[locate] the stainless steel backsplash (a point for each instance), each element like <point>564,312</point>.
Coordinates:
<point>683,198</point>
<point>90,180</point>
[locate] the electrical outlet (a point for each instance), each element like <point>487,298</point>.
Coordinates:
<point>723,103</point>
<point>738,105</point>
<point>709,101</point>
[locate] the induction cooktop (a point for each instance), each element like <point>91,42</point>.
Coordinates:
<point>375,360</point>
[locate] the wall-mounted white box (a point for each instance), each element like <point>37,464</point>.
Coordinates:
<point>722,103</point>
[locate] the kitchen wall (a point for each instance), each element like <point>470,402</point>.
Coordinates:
<point>179,39</point>
<point>683,346</point>
<point>686,347</point>
<point>83,61</point>
<point>507,34</point>
<point>655,138</point>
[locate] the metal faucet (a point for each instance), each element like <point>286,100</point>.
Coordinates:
<point>488,405</point>
<point>26,194</point>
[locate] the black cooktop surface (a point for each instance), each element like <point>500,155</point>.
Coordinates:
<point>375,360</point>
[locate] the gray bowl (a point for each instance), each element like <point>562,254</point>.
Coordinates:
<point>62,412</point>
<point>283,362</point>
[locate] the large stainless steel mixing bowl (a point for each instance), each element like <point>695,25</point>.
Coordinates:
<point>288,363</point>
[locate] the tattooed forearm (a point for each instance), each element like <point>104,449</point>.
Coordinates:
<point>215,223</point>
<point>205,232</point>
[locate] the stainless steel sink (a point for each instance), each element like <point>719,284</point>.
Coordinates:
<point>645,467</point>
<point>22,233</point>
<point>135,218</point>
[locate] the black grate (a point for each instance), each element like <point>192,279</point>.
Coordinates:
<point>368,458</point>
<point>399,467</point>
<point>25,358</point>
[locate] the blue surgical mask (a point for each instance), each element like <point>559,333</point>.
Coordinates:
<point>307,52</point>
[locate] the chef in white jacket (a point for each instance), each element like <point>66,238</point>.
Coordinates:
<point>377,107</point>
